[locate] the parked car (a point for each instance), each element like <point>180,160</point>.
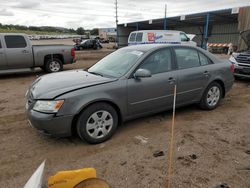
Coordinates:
<point>88,44</point>
<point>102,40</point>
<point>241,60</point>
<point>160,37</point>
<point>17,54</point>
<point>129,83</point>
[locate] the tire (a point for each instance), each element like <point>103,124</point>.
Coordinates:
<point>43,68</point>
<point>212,96</point>
<point>53,65</point>
<point>97,123</point>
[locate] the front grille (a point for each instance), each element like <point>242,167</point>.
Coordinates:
<point>245,71</point>
<point>243,58</point>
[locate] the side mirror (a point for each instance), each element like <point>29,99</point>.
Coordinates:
<point>142,73</point>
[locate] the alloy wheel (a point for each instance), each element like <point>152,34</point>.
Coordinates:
<point>213,96</point>
<point>99,124</point>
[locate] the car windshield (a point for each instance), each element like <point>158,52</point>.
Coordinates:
<point>84,41</point>
<point>116,64</point>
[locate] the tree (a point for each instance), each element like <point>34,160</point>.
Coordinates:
<point>80,31</point>
<point>94,31</point>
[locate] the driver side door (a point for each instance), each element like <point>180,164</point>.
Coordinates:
<point>153,93</point>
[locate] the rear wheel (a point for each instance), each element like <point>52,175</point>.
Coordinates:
<point>97,123</point>
<point>211,97</point>
<point>53,65</point>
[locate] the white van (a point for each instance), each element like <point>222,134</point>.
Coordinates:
<point>160,36</point>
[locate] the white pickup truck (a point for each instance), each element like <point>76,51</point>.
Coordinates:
<point>18,54</point>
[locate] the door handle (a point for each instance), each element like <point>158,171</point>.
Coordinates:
<point>171,80</point>
<point>206,73</point>
<point>25,51</point>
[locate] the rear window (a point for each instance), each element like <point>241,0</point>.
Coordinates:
<point>15,41</point>
<point>132,37</point>
<point>187,58</point>
<point>139,37</point>
<point>204,60</point>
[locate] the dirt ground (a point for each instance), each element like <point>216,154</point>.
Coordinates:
<point>211,147</point>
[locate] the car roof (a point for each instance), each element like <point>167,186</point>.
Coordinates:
<point>148,47</point>
<point>13,34</point>
<point>166,31</point>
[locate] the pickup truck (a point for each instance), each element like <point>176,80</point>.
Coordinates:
<point>18,54</point>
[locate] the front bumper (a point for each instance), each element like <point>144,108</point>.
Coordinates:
<point>242,72</point>
<point>50,124</point>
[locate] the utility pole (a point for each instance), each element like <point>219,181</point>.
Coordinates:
<point>116,21</point>
<point>165,18</point>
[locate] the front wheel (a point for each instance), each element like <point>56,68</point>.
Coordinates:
<point>97,123</point>
<point>211,97</point>
<point>53,65</point>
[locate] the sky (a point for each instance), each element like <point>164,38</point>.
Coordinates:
<point>101,13</point>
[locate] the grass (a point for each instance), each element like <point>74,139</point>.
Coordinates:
<point>30,32</point>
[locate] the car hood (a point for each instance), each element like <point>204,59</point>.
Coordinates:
<point>55,84</point>
<point>245,35</point>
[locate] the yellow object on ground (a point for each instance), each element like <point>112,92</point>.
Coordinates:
<point>93,183</point>
<point>69,179</point>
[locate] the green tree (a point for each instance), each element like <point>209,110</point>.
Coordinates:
<point>94,31</point>
<point>80,31</point>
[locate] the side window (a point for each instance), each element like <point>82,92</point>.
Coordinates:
<point>184,37</point>
<point>158,62</point>
<point>187,58</point>
<point>139,37</point>
<point>132,37</point>
<point>15,41</point>
<point>204,60</point>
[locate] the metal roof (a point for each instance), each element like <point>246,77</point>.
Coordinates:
<point>198,19</point>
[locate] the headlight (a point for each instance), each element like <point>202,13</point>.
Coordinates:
<point>233,60</point>
<point>235,54</point>
<point>48,106</point>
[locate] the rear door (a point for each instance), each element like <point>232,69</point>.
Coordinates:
<point>156,92</point>
<point>18,52</point>
<point>3,62</point>
<point>192,75</point>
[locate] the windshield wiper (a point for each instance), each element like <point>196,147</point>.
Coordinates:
<point>96,73</point>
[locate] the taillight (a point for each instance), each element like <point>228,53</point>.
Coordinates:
<point>73,53</point>
<point>232,68</point>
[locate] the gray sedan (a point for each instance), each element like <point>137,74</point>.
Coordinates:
<point>131,82</point>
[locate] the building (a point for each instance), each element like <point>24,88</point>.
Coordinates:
<point>220,27</point>
<point>107,33</point>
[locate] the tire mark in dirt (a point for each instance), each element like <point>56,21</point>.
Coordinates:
<point>12,118</point>
<point>3,101</point>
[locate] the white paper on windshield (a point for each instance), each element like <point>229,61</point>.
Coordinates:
<point>138,53</point>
